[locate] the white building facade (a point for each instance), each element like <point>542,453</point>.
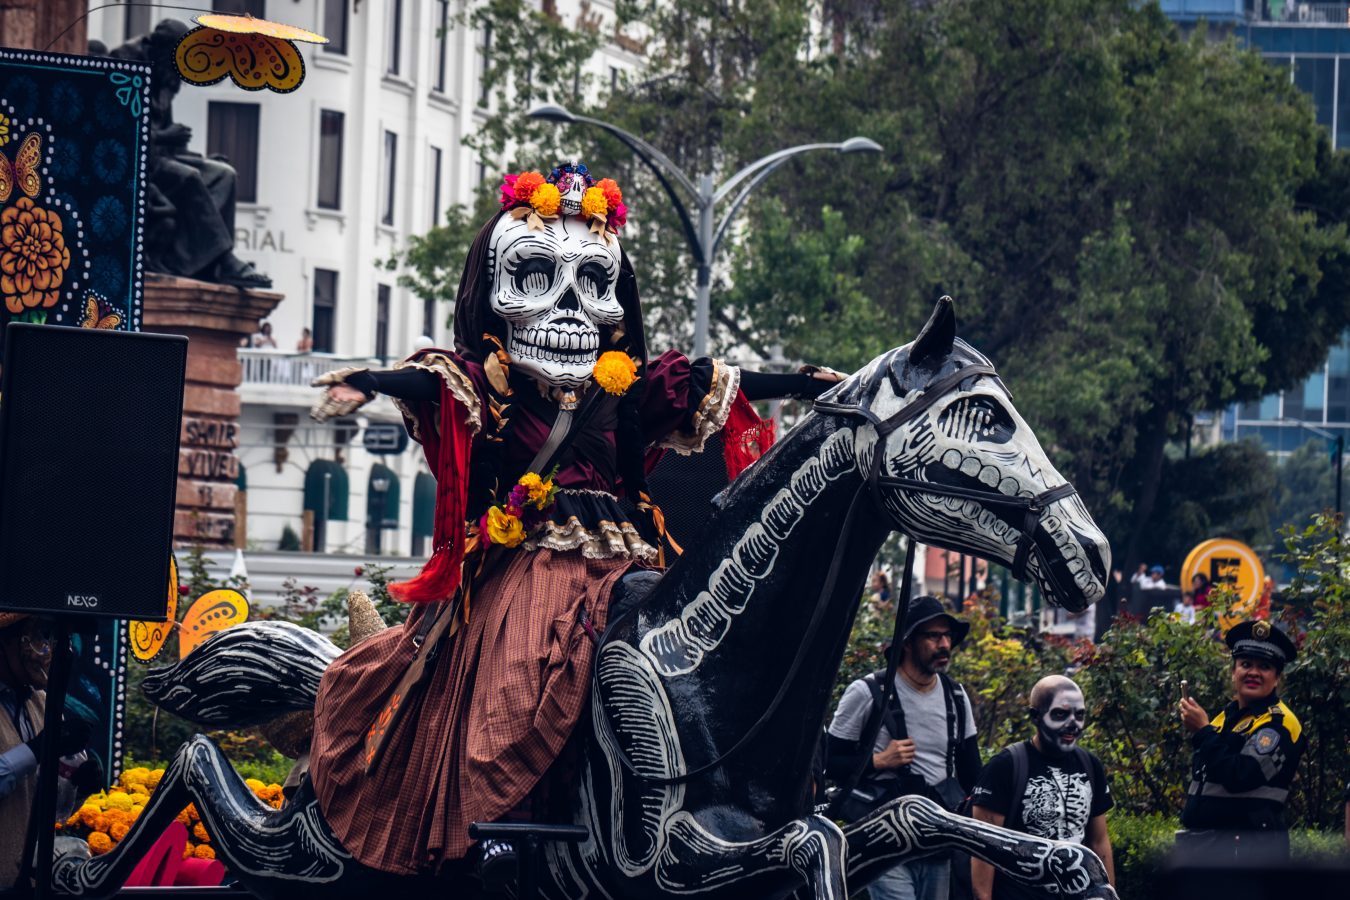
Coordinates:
<point>333,179</point>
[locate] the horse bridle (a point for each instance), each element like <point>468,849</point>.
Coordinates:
<point>1033,509</point>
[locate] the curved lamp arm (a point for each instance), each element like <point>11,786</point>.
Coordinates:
<point>659,164</point>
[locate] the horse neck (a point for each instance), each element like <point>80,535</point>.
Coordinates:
<point>736,608</point>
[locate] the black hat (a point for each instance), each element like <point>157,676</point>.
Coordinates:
<point>926,608</point>
<point>1259,639</point>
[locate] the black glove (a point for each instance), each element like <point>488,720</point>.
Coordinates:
<point>73,738</point>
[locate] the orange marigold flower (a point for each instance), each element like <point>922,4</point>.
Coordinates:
<point>546,199</point>
<point>118,831</point>
<point>613,195</point>
<point>593,203</point>
<point>526,184</point>
<point>33,256</point>
<point>99,843</point>
<point>189,849</point>
<point>192,812</point>
<point>199,832</point>
<point>183,818</point>
<point>615,371</point>
<point>204,852</point>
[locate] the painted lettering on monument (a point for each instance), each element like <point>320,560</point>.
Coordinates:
<point>210,433</point>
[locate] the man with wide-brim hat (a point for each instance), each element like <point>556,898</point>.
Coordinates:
<point>925,744</point>
<point>1244,759</point>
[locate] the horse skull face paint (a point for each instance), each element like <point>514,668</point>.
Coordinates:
<point>555,288</point>
<point>975,440</point>
<point>1062,724</point>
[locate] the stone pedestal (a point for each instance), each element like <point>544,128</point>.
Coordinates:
<point>215,319</point>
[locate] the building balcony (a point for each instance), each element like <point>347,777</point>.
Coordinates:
<point>281,378</point>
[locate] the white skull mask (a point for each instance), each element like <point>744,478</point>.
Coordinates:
<point>555,288</point>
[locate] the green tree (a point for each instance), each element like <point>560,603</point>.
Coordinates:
<point>1306,484</point>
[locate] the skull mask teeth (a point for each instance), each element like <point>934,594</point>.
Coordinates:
<point>555,288</point>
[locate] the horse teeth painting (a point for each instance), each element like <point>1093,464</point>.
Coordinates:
<point>711,681</point>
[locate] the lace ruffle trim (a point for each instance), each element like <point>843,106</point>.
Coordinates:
<point>459,385</point>
<point>711,414</point>
<point>606,540</point>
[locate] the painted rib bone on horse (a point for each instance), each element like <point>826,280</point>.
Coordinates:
<point>714,679</point>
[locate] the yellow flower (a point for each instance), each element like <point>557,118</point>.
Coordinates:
<point>155,776</point>
<point>615,371</point>
<point>119,800</point>
<point>546,199</point>
<point>537,487</point>
<point>99,843</point>
<point>593,203</point>
<point>139,800</point>
<point>254,784</point>
<point>504,528</point>
<point>204,852</point>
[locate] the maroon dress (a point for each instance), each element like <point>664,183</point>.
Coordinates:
<point>505,691</point>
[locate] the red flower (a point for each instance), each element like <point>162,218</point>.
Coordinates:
<point>360,570</point>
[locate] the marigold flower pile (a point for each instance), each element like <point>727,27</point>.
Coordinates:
<point>106,817</point>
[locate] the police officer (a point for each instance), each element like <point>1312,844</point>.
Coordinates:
<point>1244,759</point>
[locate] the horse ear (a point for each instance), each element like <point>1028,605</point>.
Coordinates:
<point>935,340</point>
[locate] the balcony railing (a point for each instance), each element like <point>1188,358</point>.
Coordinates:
<point>276,367</point>
<point>1304,13</point>
<point>1274,12</point>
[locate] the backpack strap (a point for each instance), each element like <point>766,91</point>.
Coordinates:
<point>955,699</point>
<point>1019,783</point>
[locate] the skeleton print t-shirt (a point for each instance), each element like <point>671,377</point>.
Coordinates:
<point>1059,798</point>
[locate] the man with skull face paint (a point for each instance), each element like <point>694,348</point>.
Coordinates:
<point>1063,794</point>
<point>543,417</point>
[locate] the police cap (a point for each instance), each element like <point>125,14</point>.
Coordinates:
<point>1258,639</point>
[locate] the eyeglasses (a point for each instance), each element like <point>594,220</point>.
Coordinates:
<point>934,636</point>
<point>38,646</point>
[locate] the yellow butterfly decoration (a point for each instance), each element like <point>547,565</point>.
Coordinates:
<point>94,318</point>
<point>253,53</point>
<point>147,638</point>
<point>213,611</point>
<point>23,172</point>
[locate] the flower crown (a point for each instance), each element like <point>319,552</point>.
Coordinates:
<point>568,190</point>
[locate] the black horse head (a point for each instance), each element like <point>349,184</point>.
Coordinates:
<point>961,469</point>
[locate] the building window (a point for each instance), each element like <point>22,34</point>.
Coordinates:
<point>335,26</point>
<point>482,172</point>
<point>232,132</point>
<point>382,321</point>
<point>255,8</point>
<point>393,50</point>
<point>429,317</point>
<point>486,50</point>
<point>613,78</point>
<point>435,176</point>
<point>390,176</point>
<point>330,159</point>
<point>135,21</point>
<point>442,43</point>
<point>325,309</point>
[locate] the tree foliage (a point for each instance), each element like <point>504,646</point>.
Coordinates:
<point>1136,224</point>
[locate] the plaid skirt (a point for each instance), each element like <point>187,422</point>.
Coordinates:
<point>503,697</point>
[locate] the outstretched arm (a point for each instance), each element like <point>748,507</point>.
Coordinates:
<point>981,873</point>
<point>772,386</point>
<point>1099,842</point>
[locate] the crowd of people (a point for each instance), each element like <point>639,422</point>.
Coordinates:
<point>921,738</point>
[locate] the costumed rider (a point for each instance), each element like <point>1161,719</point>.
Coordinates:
<point>547,412</point>
<point>1244,759</point>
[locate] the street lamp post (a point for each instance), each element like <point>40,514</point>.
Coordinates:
<point>703,236</point>
<point>1340,451</point>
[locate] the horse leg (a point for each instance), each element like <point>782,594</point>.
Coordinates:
<point>696,860</point>
<point>267,849</point>
<point>915,826</point>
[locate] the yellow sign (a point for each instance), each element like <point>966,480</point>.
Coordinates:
<point>1230,563</point>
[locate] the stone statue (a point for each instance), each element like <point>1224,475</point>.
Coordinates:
<point>189,229</point>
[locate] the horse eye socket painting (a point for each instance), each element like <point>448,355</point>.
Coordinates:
<point>73,136</point>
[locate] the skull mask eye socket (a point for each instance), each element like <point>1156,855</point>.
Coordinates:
<point>532,276</point>
<point>977,418</point>
<point>592,281</point>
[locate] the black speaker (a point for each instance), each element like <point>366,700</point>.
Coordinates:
<point>89,424</point>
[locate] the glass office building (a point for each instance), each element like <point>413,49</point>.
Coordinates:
<point>1312,41</point>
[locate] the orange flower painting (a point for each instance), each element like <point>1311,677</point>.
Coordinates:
<point>33,256</point>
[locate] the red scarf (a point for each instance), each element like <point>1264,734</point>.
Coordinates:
<point>447,453</point>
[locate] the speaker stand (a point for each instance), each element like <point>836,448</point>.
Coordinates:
<point>41,830</point>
